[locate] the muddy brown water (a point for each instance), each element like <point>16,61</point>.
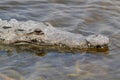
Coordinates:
<point>78,16</point>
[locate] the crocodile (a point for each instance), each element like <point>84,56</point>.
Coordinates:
<point>43,33</point>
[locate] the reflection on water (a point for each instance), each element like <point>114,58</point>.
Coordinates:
<point>78,16</point>
<point>44,50</point>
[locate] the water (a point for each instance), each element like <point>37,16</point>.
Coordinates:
<point>77,16</point>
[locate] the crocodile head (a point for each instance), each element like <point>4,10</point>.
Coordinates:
<point>14,32</point>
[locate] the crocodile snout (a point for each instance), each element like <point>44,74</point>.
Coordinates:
<point>97,40</point>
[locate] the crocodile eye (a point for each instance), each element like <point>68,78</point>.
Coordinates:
<point>20,30</point>
<point>6,27</point>
<point>38,32</point>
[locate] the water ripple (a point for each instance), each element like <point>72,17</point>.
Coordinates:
<point>78,16</point>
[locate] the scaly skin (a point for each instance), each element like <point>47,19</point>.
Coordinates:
<point>43,33</point>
